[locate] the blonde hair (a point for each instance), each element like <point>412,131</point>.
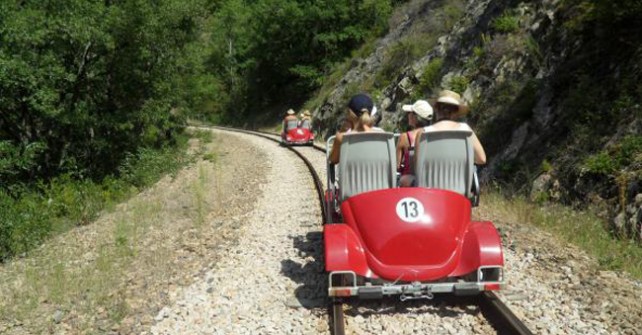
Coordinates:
<point>358,122</point>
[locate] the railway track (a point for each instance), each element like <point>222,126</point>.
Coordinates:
<point>503,320</point>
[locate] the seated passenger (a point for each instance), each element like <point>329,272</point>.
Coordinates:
<point>358,120</point>
<point>448,109</point>
<point>290,121</point>
<point>419,115</point>
<point>306,120</point>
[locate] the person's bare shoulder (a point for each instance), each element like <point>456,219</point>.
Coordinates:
<point>339,137</point>
<point>403,140</point>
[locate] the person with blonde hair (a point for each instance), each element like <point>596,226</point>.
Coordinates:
<point>305,120</point>
<point>358,119</point>
<point>449,108</point>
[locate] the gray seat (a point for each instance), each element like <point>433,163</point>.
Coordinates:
<point>291,124</point>
<point>445,160</point>
<point>366,163</point>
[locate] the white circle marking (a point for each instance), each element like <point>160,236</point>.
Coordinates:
<point>410,209</point>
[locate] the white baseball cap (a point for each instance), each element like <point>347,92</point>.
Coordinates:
<point>421,108</point>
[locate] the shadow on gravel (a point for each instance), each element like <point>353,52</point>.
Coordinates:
<point>443,306</point>
<point>311,275</point>
<point>312,294</point>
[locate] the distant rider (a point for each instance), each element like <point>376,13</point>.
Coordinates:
<point>290,121</point>
<point>306,120</point>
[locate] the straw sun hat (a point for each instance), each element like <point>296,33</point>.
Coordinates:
<point>453,98</point>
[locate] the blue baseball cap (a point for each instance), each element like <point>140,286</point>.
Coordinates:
<point>360,102</point>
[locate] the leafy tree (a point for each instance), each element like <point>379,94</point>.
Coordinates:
<point>89,81</point>
<point>273,51</point>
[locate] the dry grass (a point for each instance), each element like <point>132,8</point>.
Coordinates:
<point>116,273</point>
<point>81,272</point>
<point>582,229</point>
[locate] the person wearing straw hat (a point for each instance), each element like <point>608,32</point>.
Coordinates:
<point>358,119</point>
<point>306,120</point>
<point>419,115</point>
<point>448,109</point>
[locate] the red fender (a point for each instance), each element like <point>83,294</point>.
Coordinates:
<point>343,250</point>
<point>482,247</point>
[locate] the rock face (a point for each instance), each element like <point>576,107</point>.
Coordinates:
<point>511,60</point>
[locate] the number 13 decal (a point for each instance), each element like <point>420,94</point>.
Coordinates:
<point>410,209</point>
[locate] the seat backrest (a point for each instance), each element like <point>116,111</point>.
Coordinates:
<point>367,162</point>
<point>291,124</point>
<point>445,160</point>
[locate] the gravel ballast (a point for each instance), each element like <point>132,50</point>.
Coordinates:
<point>554,288</point>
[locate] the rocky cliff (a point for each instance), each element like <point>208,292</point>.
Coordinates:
<point>553,94</point>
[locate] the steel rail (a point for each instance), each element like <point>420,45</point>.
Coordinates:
<point>338,323</point>
<point>500,316</point>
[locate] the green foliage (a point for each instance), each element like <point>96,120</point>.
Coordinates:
<point>546,166</point>
<point>478,51</point>
<point>270,52</point>
<point>533,49</point>
<point>541,198</point>
<point>143,168</point>
<point>91,88</point>
<point>620,156</point>
<point>601,163</point>
<point>18,160</point>
<point>291,44</point>
<point>397,57</point>
<point>458,83</point>
<point>452,11</point>
<point>506,23</point>
<point>366,49</point>
<point>629,150</point>
<point>91,81</point>
<point>430,78</point>
<point>23,223</point>
<point>28,216</point>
